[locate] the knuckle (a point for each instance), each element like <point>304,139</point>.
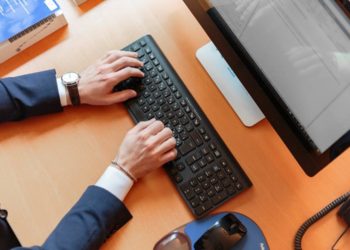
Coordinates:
<point>104,77</point>
<point>142,137</point>
<point>101,68</point>
<point>141,124</point>
<point>149,148</point>
<point>160,124</point>
<point>124,60</point>
<point>112,52</point>
<point>130,70</point>
<point>173,154</point>
<point>168,131</point>
<point>173,141</point>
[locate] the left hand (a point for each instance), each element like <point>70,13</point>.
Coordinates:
<point>98,80</point>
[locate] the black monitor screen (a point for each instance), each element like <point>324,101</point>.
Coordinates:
<point>294,59</point>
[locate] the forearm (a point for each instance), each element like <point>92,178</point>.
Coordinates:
<point>29,95</point>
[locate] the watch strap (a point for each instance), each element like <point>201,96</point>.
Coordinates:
<point>74,94</point>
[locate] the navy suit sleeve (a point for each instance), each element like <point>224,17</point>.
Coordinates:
<point>28,95</point>
<point>89,223</point>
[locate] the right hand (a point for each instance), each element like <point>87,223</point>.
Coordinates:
<point>98,80</point>
<point>146,147</point>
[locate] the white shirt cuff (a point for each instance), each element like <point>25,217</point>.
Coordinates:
<point>62,92</point>
<point>116,182</point>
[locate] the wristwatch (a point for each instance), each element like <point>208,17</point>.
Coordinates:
<point>70,81</point>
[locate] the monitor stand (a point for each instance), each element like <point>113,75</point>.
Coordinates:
<point>229,85</point>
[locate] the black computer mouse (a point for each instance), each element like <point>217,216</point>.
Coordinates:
<point>223,235</point>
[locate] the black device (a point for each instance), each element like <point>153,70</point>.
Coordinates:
<point>283,53</point>
<point>223,235</point>
<point>223,232</point>
<point>205,172</point>
<point>8,239</point>
<point>343,213</point>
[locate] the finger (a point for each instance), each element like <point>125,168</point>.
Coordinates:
<point>162,136</point>
<point>168,156</point>
<point>166,146</point>
<point>116,54</point>
<point>153,129</point>
<point>124,62</point>
<point>121,96</point>
<point>116,77</point>
<point>142,125</point>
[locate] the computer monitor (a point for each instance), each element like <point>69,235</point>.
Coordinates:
<point>293,57</point>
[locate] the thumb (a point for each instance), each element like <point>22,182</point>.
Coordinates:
<point>121,96</point>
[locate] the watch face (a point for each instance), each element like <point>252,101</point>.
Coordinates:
<point>70,78</point>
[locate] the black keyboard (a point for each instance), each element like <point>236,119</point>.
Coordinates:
<point>205,173</point>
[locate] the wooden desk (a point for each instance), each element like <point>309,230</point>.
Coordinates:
<point>47,162</point>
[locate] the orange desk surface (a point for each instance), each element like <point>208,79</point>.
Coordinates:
<point>47,162</point>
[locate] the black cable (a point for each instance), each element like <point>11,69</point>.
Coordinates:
<point>342,234</point>
<point>303,228</point>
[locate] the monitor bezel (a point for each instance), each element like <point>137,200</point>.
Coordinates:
<point>250,75</point>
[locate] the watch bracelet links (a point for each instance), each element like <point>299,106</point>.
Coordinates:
<point>125,171</point>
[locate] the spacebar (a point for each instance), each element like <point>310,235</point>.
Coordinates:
<point>136,113</point>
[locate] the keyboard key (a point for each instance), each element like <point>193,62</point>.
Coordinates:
<point>209,157</point>
<point>211,192</point>
<point>165,76</point>
<point>178,178</point>
<point>148,50</point>
<point>226,182</point>
<point>188,193</point>
<point>193,182</point>
<point>199,210</point>
<point>150,116</point>
<point>203,197</point>
<point>209,173</point>
<point>195,202</point>
<point>187,146</point>
<point>206,137</point>
<point>169,82</point>
<point>195,167</point>
<point>196,122</point>
<point>196,138</point>
<point>155,62</point>
<point>198,190</point>
<point>189,127</point>
<point>201,177</point>
<point>135,47</point>
<point>219,197</point>
<point>180,114</point>
<point>177,95</point>
<point>217,153</point>
<point>141,101</point>
<point>142,43</point>
<point>202,163</point>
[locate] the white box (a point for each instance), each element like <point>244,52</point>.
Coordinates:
<point>31,35</point>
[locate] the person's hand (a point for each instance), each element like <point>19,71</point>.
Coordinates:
<point>146,147</point>
<point>98,80</point>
